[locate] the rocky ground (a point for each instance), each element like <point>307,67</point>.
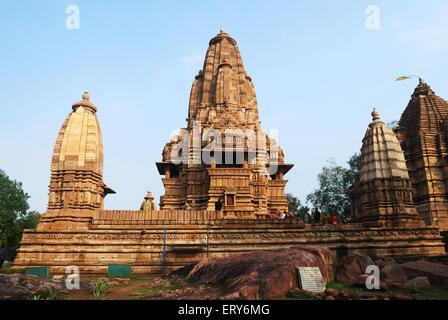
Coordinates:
<point>23,286</point>
<point>254,275</point>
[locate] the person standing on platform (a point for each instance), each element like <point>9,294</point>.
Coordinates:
<point>218,205</point>
<point>316,216</point>
<point>306,218</point>
<point>334,219</point>
<point>2,255</point>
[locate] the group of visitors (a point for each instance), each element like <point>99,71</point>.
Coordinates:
<point>284,215</point>
<point>316,218</point>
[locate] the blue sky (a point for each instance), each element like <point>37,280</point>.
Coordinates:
<point>317,70</point>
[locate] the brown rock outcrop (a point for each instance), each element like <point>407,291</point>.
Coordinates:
<point>393,275</point>
<point>265,274</point>
<point>24,286</point>
<point>420,282</point>
<point>436,273</point>
<point>354,267</point>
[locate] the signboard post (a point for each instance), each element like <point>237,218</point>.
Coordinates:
<point>310,279</point>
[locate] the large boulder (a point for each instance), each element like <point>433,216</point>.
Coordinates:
<point>354,267</point>
<point>419,282</point>
<point>384,262</point>
<point>328,256</point>
<point>263,274</point>
<point>435,272</point>
<point>393,275</point>
<point>24,286</point>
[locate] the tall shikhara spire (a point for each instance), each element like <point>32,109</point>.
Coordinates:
<point>423,133</point>
<point>223,99</point>
<point>222,94</point>
<point>383,194</point>
<point>76,184</point>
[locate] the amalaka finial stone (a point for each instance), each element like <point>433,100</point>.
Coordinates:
<point>222,30</point>
<point>85,95</point>
<point>375,115</point>
<point>85,102</point>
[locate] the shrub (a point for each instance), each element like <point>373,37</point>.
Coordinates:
<point>99,289</point>
<point>413,287</point>
<point>52,293</point>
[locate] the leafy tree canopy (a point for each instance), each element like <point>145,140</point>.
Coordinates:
<point>393,124</point>
<point>295,206</point>
<point>335,181</point>
<point>14,214</point>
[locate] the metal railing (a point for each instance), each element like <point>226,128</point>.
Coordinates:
<point>183,246</point>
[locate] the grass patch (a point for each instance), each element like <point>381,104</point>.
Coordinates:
<point>435,292</point>
<point>298,295</point>
<point>337,285</point>
<point>155,290</point>
<point>152,291</point>
<point>11,271</point>
<point>5,266</point>
<point>439,292</point>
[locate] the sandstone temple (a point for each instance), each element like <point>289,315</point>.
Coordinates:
<point>223,175</point>
<point>223,103</point>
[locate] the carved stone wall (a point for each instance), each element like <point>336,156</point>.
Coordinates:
<point>141,245</point>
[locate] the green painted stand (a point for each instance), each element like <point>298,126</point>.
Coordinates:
<point>43,272</point>
<point>119,271</point>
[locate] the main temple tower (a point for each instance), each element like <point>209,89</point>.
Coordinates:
<point>423,133</point>
<point>226,158</point>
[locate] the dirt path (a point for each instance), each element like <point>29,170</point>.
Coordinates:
<point>121,291</point>
<point>153,287</point>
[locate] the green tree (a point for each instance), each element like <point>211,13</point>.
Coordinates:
<point>332,196</point>
<point>295,206</point>
<point>14,214</point>
<point>303,210</point>
<point>293,203</point>
<point>393,124</point>
<point>352,174</point>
